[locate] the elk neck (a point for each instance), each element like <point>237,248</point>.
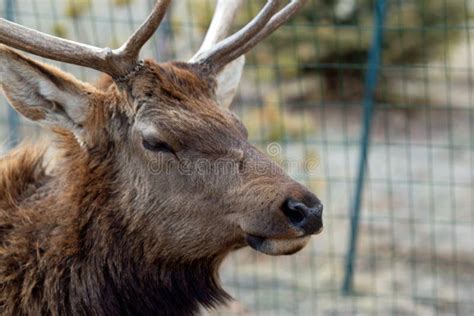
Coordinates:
<point>90,214</point>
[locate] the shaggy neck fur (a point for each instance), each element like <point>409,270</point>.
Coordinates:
<point>82,258</point>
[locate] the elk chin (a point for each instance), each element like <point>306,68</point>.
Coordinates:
<point>277,247</point>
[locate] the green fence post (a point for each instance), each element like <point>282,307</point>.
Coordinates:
<point>370,86</point>
<point>12,115</point>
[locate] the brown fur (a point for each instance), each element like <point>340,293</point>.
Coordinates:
<point>109,228</point>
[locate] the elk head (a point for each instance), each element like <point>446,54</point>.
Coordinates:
<point>185,172</point>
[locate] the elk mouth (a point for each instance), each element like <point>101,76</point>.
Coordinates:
<point>277,246</point>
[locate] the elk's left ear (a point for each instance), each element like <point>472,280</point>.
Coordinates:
<point>43,93</point>
<point>228,81</point>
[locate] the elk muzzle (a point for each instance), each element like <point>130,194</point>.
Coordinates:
<point>303,216</point>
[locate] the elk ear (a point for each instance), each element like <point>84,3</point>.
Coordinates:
<point>43,93</point>
<point>228,81</point>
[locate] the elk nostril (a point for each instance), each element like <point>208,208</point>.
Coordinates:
<point>303,217</point>
<point>295,211</point>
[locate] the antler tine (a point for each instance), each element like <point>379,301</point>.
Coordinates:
<point>44,45</point>
<point>238,44</point>
<point>217,57</point>
<point>278,20</point>
<point>221,23</point>
<point>131,48</point>
<point>116,63</point>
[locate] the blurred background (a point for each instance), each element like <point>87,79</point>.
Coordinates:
<point>368,102</point>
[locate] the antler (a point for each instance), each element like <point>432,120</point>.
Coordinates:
<point>117,63</point>
<point>224,15</point>
<point>216,51</point>
<point>229,49</point>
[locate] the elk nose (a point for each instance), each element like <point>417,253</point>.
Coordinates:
<point>308,218</point>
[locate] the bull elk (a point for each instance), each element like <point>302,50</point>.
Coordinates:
<point>150,181</point>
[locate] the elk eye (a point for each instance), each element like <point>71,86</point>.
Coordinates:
<point>157,146</point>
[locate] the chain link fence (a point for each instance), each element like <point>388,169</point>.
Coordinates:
<point>306,98</point>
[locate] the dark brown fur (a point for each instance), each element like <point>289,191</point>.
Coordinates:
<point>59,260</point>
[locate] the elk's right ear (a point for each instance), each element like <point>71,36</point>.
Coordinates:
<point>228,82</point>
<point>43,93</point>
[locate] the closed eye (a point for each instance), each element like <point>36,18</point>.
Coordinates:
<point>158,146</point>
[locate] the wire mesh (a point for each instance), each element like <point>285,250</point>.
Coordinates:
<point>301,99</point>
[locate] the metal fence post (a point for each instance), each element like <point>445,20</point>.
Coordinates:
<point>370,86</point>
<point>13,120</point>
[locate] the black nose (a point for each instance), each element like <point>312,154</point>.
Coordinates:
<point>308,218</point>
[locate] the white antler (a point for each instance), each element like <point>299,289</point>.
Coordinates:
<point>225,55</point>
